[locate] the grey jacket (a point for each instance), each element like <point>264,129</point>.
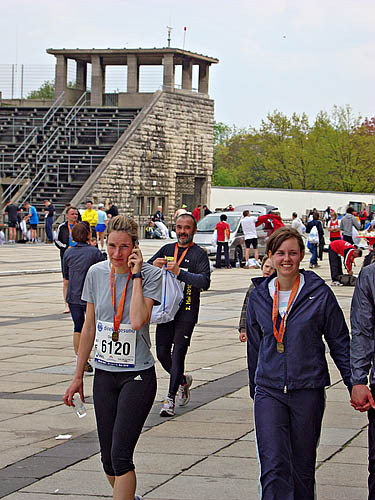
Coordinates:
<point>347,223</point>
<point>362,318</point>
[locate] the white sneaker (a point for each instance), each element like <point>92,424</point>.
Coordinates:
<point>167,410</point>
<point>336,283</point>
<point>183,394</point>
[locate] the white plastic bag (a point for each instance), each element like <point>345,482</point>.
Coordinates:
<point>172,297</point>
<point>314,236</point>
<point>356,240</point>
<point>214,239</point>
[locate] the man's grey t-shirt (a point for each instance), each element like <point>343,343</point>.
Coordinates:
<point>97,290</point>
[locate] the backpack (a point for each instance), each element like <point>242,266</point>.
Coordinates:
<point>171,299</point>
<point>314,236</point>
<point>347,280</point>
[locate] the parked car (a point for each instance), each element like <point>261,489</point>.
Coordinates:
<point>256,208</point>
<point>206,228</point>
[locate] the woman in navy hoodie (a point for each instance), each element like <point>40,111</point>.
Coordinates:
<point>287,317</point>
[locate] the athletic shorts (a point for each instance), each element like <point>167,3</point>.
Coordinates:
<point>12,223</point>
<point>33,226</point>
<point>251,241</point>
<point>100,228</point>
<point>77,312</point>
<point>174,332</point>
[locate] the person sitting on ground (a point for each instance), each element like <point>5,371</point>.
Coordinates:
<point>267,270</point>
<point>77,261</point>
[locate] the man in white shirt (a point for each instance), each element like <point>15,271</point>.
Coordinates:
<point>297,224</point>
<point>251,238</point>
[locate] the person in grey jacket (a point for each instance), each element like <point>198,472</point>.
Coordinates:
<point>347,223</point>
<point>362,358</point>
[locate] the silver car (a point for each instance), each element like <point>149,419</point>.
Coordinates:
<point>206,228</point>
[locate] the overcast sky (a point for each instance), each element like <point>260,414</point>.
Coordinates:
<point>291,55</point>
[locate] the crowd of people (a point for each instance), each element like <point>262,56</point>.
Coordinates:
<point>288,316</point>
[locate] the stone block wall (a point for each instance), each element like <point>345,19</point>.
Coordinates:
<point>169,155</point>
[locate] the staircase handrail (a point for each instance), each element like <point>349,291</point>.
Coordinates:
<point>53,109</point>
<point>20,177</point>
<point>41,174</point>
<point>25,144</point>
<point>47,145</point>
<point>75,109</point>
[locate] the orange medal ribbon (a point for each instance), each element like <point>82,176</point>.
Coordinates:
<point>279,335</point>
<point>117,316</point>
<point>182,255</point>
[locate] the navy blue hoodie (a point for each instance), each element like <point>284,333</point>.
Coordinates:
<point>315,314</point>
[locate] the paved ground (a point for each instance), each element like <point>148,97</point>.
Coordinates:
<point>206,452</point>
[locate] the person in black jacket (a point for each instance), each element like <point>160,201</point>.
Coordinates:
<point>76,262</point>
<point>362,359</point>
<point>288,315</point>
<point>190,264</point>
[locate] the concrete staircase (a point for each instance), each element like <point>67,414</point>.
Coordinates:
<point>55,159</point>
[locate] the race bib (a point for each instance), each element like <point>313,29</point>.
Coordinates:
<point>120,353</point>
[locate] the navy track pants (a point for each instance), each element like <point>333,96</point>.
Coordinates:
<point>287,432</point>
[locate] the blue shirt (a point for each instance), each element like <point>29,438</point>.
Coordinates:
<point>34,219</point>
<point>102,216</point>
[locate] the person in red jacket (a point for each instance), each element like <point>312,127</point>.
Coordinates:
<point>363,217</point>
<point>270,221</point>
<point>338,249</point>
<point>223,235</point>
<point>197,212</point>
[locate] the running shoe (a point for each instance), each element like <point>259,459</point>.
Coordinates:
<point>167,410</point>
<point>183,394</point>
<point>336,283</point>
<point>88,368</point>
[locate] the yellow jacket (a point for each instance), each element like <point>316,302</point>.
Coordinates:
<point>90,216</point>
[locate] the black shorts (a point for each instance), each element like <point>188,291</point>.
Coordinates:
<point>77,312</point>
<point>33,226</point>
<point>12,223</point>
<point>251,241</point>
<point>174,332</point>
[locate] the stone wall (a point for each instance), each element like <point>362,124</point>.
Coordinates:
<point>169,156</point>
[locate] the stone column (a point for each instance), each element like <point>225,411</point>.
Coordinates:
<point>61,72</point>
<point>187,74</point>
<point>97,81</point>
<point>203,78</point>
<point>168,72</point>
<point>81,75</point>
<point>133,74</point>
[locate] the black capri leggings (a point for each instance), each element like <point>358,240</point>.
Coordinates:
<point>122,403</point>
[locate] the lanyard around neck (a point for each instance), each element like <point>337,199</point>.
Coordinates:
<point>183,253</point>
<point>117,316</point>
<point>279,334</point>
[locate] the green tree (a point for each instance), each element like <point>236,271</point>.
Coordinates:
<point>45,91</point>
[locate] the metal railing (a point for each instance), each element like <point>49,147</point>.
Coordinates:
<point>53,110</point>
<point>75,109</point>
<point>8,192</point>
